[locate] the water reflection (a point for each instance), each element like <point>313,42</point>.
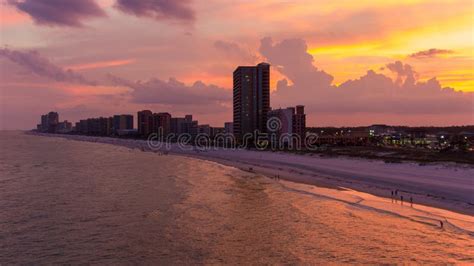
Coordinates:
<point>66,202</point>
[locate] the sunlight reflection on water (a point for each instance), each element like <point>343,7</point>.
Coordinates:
<point>67,202</point>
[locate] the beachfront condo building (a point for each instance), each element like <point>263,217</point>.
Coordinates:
<point>299,122</point>
<point>145,122</point>
<point>49,122</point>
<point>122,122</point>
<point>161,124</point>
<point>251,99</point>
<point>287,125</point>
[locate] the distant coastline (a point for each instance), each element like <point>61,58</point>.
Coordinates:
<point>442,185</point>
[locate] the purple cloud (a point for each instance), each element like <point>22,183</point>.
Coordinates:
<point>41,66</point>
<point>291,59</point>
<point>430,53</point>
<point>405,74</point>
<point>174,92</point>
<point>158,9</point>
<point>59,12</point>
<point>235,51</point>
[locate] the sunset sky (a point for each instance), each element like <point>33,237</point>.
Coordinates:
<point>403,62</point>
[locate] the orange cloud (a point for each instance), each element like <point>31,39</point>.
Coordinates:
<point>84,90</point>
<point>225,80</point>
<point>9,16</point>
<point>101,64</point>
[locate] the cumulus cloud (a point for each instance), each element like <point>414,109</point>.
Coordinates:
<point>35,63</point>
<point>59,12</point>
<point>158,9</point>
<point>405,74</point>
<point>235,51</point>
<point>291,59</point>
<point>373,93</point>
<point>174,92</point>
<point>430,53</point>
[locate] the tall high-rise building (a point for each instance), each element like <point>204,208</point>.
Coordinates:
<point>44,123</point>
<point>93,126</point>
<point>177,125</point>
<point>251,98</point>
<point>49,122</point>
<point>53,120</point>
<point>122,122</point>
<point>190,125</point>
<point>82,127</point>
<point>162,123</point>
<point>145,122</point>
<point>184,125</point>
<point>105,126</point>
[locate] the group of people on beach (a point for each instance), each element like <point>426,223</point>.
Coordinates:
<point>395,197</point>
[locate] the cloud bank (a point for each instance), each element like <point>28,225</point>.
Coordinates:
<point>373,93</point>
<point>59,12</point>
<point>174,92</point>
<point>72,13</point>
<point>36,64</point>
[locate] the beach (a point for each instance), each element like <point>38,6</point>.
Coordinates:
<point>109,201</point>
<point>442,185</point>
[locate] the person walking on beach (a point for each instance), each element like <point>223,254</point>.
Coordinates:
<point>411,202</point>
<point>401,199</point>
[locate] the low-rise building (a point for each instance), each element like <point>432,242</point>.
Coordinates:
<point>287,125</point>
<point>229,128</point>
<point>64,127</point>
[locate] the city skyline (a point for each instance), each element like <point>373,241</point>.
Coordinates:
<point>361,66</point>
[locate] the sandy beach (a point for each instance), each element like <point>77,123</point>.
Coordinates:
<point>439,191</point>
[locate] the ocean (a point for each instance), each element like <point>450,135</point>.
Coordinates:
<point>71,202</point>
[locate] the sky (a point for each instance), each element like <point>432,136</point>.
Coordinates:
<point>403,62</point>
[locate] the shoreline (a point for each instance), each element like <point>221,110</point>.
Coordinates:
<point>425,201</point>
<point>338,173</point>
